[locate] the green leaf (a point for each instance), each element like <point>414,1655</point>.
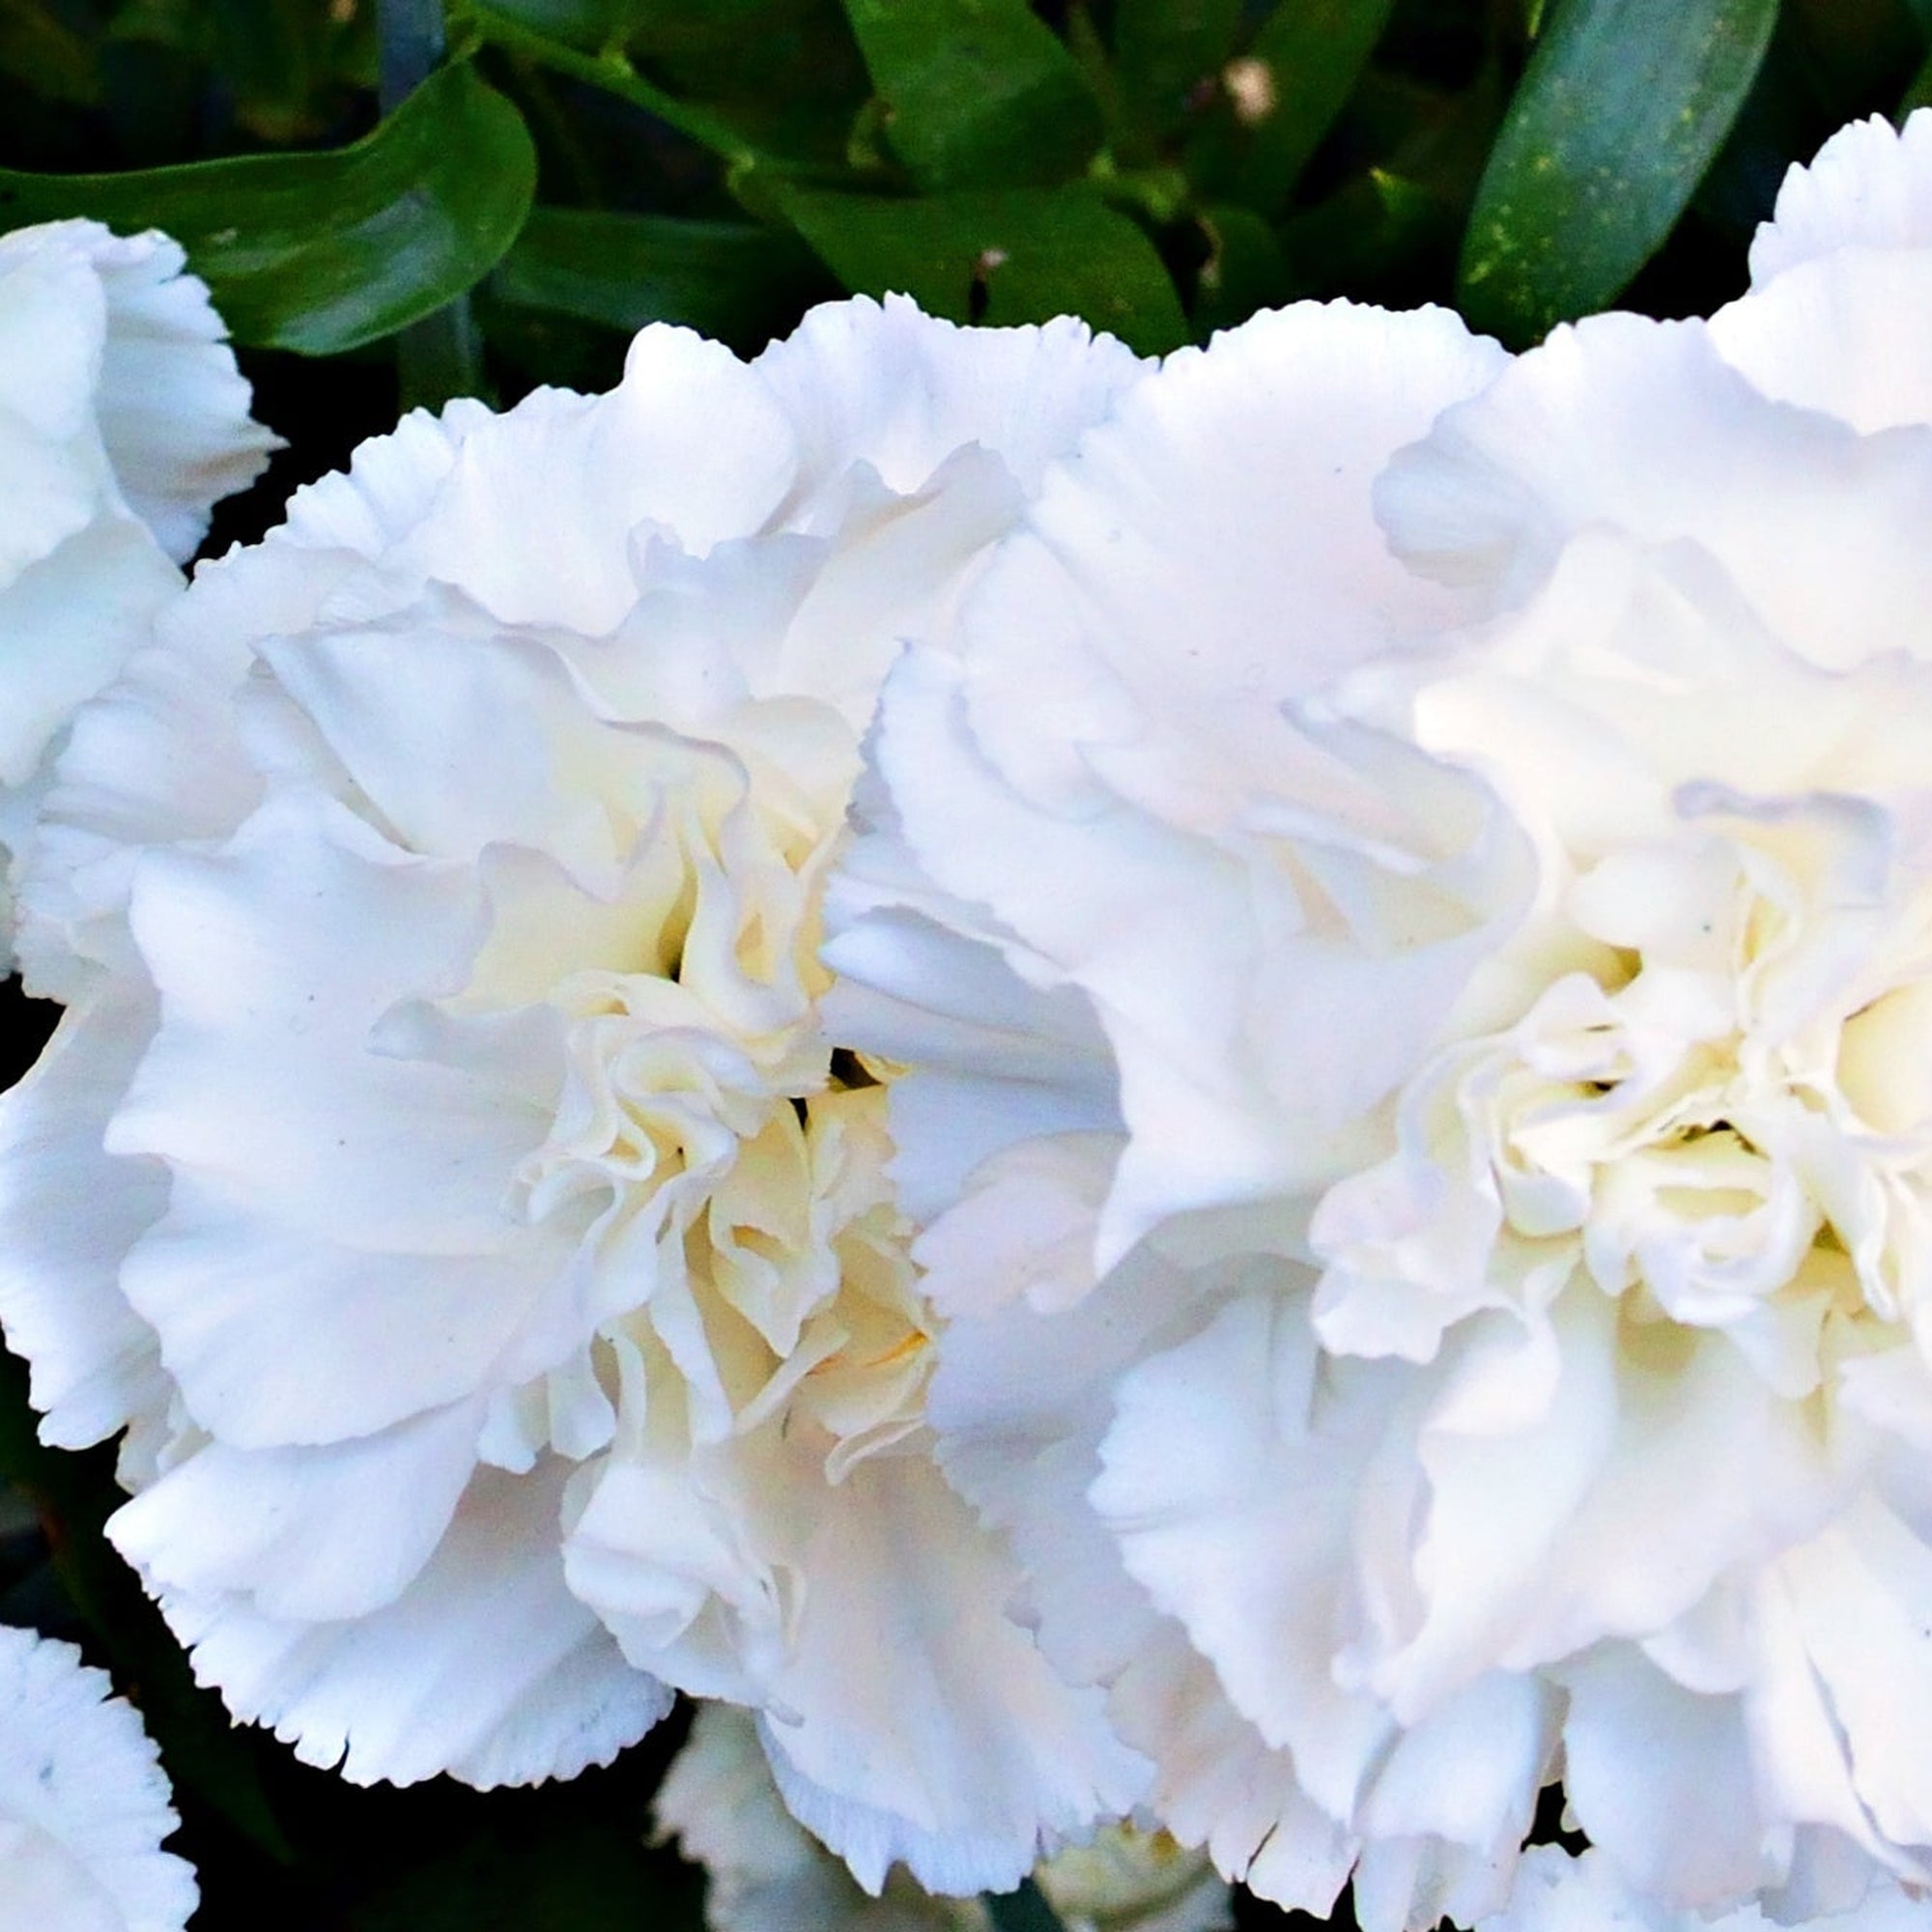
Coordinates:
<point>322,252</point>
<point>591,24</point>
<point>1244,269</point>
<point>731,279</point>
<point>1163,49</point>
<point>1622,108</point>
<point>1018,255</point>
<point>981,91</point>
<point>1291,86</point>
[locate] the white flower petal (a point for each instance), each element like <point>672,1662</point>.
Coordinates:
<point>1869,185</point>
<point>484,1668</point>
<point>1834,334</point>
<point>84,1803</point>
<point>764,1872</point>
<point>1556,1892</point>
<point>887,386</point>
<point>1660,1779</point>
<point>534,520</point>
<point>908,1719</point>
<point>316,1534</point>
<point>173,407</point>
<point>69,1211</point>
<point>1641,425</point>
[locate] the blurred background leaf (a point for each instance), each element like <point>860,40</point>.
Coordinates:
<point>999,256</point>
<point>976,93</point>
<point>322,252</point>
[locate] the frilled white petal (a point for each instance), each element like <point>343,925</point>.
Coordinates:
<point>1211,1440</point>
<point>1070,810</point>
<point>173,407</point>
<point>1869,185</point>
<point>69,1211</point>
<point>1217,1785</point>
<point>319,1534</point>
<point>1556,1892</point>
<point>764,1871</point>
<point>84,1803</point>
<point>909,1720</point>
<point>70,619</point>
<point>485,1668</point>
<point>122,420</point>
<point>1643,426</point>
<point>1834,334</point>
<point>888,386</point>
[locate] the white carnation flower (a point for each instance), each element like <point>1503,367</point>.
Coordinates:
<point>84,1803</point>
<point>766,1874</point>
<point>444,1173</point>
<point>1511,1351</point>
<point>122,420</point>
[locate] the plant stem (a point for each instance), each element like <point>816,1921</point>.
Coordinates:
<point>614,72</point>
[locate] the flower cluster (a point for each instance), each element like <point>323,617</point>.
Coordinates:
<point>1191,1103</point>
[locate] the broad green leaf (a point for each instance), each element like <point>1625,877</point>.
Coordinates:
<point>1163,49</point>
<point>322,252</point>
<point>1288,90</point>
<point>730,279</point>
<point>1017,255</point>
<point>1617,118</point>
<point>981,91</point>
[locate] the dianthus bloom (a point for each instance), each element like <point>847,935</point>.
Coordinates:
<point>122,420</point>
<point>442,1173</point>
<point>84,1803</point>
<point>1487,1336</point>
<point>764,1874</point>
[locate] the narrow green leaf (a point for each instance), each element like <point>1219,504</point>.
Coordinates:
<point>46,54</point>
<point>322,252</point>
<point>1289,88</point>
<point>1622,108</point>
<point>980,93</point>
<point>1164,50</point>
<point>1018,255</point>
<point>731,279</point>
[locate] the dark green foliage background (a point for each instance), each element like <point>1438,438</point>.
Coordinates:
<point>571,169</point>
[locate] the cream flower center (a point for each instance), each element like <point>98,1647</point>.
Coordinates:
<point>1724,1121</point>
<point>737,1250</point>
